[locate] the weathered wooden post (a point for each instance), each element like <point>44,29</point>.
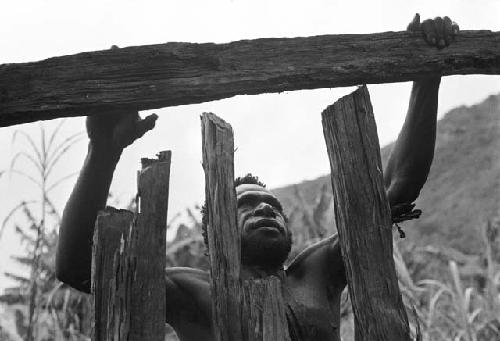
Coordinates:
<point>223,234</point>
<point>135,293</point>
<point>252,310</point>
<point>363,219</point>
<point>265,310</point>
<point>111,225</point>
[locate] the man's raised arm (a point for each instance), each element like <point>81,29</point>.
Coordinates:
<point>411,158</point>
<point>109,134</point>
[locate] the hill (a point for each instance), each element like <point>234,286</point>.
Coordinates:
<point>463,188</point>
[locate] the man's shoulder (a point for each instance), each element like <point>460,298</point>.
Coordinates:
<point>318,267</point>
<point>180,271</point>
<point>315,255</point>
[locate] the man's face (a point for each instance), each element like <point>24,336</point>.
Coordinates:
<point>265,237</point>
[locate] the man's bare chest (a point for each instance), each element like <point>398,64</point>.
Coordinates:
<point>313,312</point>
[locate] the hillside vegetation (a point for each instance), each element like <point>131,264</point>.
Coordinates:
<point>463,188</point>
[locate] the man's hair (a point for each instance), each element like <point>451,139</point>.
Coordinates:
<point>248,179</point>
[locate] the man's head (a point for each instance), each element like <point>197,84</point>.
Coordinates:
<point>265,238</point>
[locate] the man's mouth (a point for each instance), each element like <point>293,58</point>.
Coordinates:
<point>267,223</point>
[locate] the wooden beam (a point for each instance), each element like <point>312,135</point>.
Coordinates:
<point>154,76</point>
<point>252,309</point>
<point>363,219</point>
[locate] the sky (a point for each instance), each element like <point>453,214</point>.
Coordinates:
<point>277,136</point>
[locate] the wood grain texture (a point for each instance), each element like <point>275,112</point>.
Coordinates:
<point>111,225</point>
<point>265,310</point>
<point>223,234</point>
<point>363,219</point>
<point>138,306</point>
<point>253,309</point>
<point>154,76</point>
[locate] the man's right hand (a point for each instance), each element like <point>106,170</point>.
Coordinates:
<point>115,130</point>
<point>109,133</point>
<point>438,32</point>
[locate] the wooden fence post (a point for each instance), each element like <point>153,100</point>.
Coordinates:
<point>252,310</point>
<point>363,219</point>
<point>223,234</point>
<point>265,315</point>
<point>111,225</point>
<point>136,297</point>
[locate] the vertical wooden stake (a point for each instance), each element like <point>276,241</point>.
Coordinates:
<point>223,233</point>
<point>148,242</point>
<point>265,315</point>
<point>111,225</point>
<point>252,310</point>
<point>363,219</point>
<point>136,299</point>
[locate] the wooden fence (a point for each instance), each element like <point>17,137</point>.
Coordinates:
<point>129,259</point>
<point>129,249</point>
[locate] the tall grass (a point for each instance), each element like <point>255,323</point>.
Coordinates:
<point>36,163</point>
<point>455,308</point>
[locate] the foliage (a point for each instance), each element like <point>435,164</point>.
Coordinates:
<point>47,309</point>
<point>187,248</point>
<point>458,306</point>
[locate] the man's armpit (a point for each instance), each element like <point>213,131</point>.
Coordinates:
<point>187,296</point>
<point>335,262</point>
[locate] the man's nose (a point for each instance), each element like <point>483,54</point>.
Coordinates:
<point>264,209</point>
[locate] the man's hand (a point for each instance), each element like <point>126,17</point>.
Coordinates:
<point>438,32</point>
<point>113,131</point>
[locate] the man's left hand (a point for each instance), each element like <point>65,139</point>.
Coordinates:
<point>438,32</point>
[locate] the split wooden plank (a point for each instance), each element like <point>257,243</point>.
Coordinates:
<point>137,294</point>
<point>253,309</point>
<point>111,226</point>
<point>223,234</point>
<point>154,76</point>
<point>363,219</point>
<point>265,310</point>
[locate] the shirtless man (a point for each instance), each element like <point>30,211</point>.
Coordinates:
<point>315,279</point>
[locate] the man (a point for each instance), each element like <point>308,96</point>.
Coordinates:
<point>315,279</point>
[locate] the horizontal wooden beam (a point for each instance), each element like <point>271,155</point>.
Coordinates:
<point>154,76</point>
